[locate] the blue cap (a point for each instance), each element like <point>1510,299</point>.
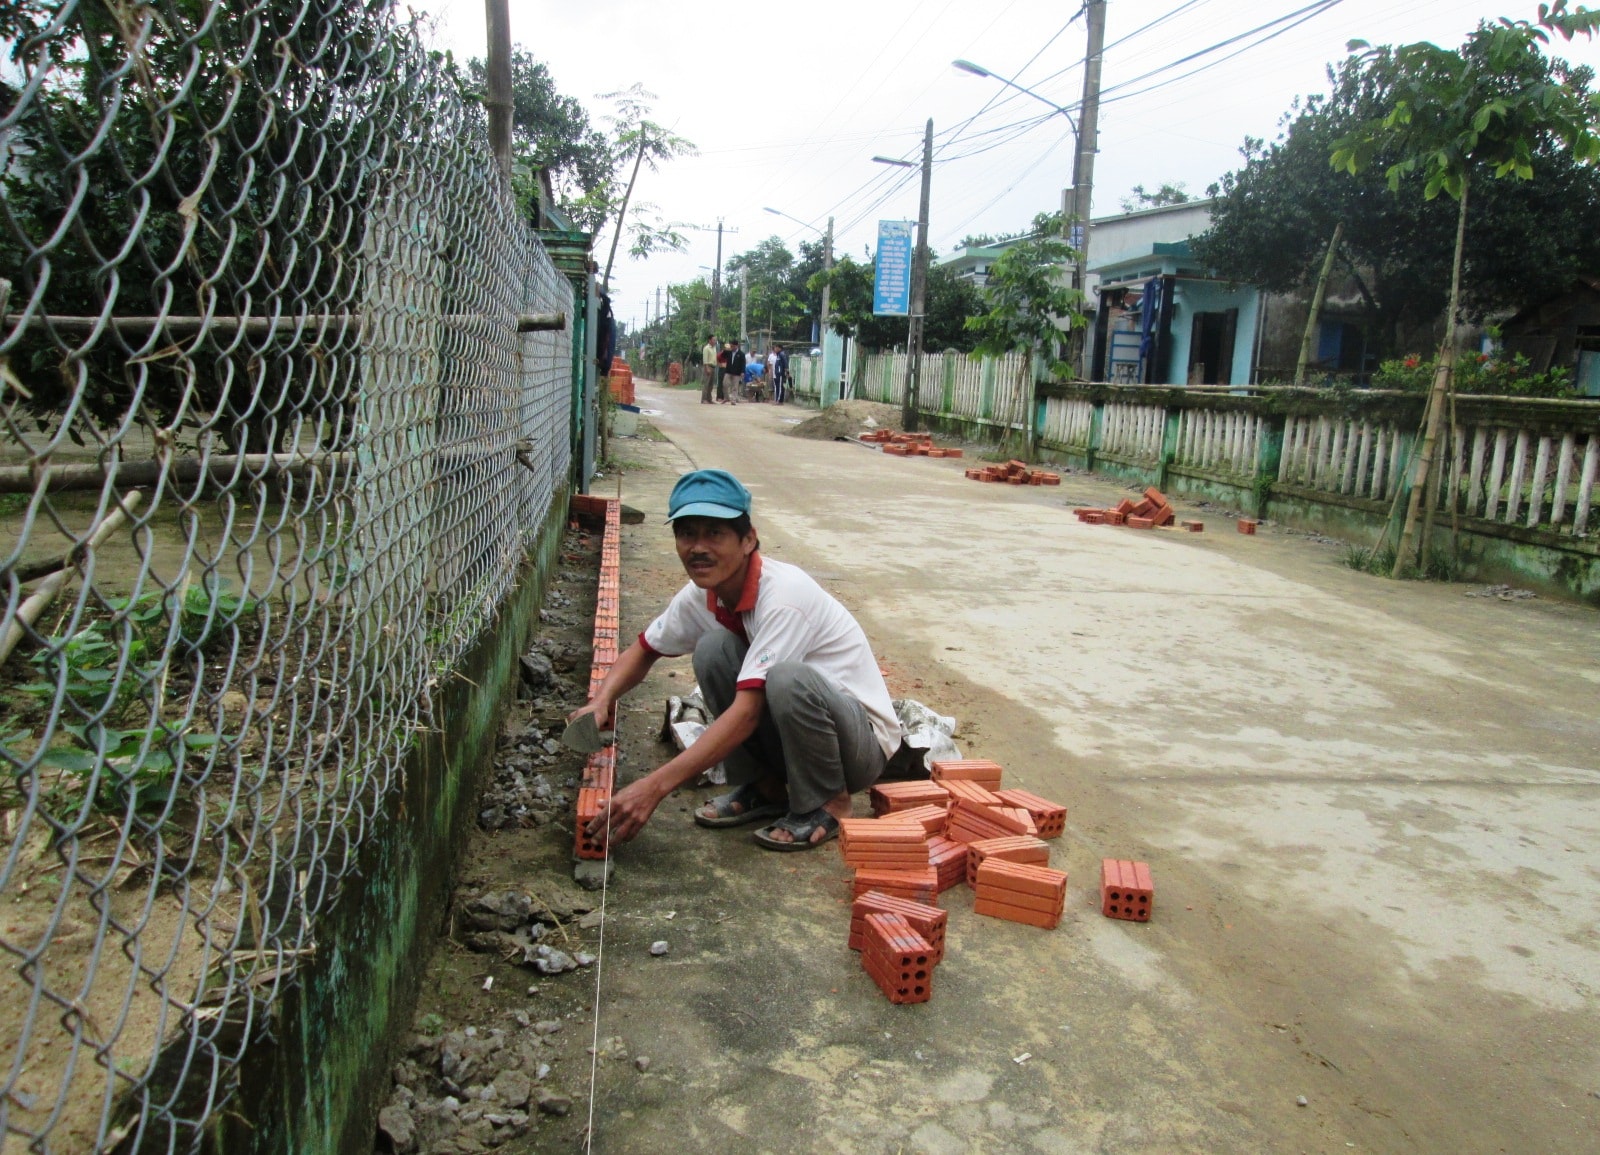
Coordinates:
<point>708,493</point>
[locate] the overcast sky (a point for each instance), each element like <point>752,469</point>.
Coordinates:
<point>788,103</point>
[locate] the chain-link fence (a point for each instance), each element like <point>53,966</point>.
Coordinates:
<point>279,422</point>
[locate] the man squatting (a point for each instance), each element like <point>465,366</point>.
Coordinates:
<point>802,717</point>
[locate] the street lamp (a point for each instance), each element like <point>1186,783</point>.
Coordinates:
<point>827,260</point>
<point>1078,206</point>
<point>919,281</point>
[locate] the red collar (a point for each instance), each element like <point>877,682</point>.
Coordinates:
<point>747,599</point>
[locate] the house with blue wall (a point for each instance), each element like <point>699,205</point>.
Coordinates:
<point>1160,318</point>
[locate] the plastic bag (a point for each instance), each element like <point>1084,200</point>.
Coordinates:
<point>929,733</point>
<point>685,720</point>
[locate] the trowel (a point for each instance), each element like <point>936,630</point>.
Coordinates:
<point>584,736</point>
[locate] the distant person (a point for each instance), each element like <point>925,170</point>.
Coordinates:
<point>772,371</point>
<point>780,378</point>
<point>801,716</point>
<point>722,371</point>
<point>733,378</point>
<point>708,368</point>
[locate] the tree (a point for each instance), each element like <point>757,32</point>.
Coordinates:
<point>550,133</point>
<point>1487,107</point>
<point>640,140</point>
<point>1170,193</point>
<point>1275,215</point>
<point>1028,307</point>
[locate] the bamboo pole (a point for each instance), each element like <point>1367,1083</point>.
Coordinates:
<point>29,611</point>
<point>1316,305</point>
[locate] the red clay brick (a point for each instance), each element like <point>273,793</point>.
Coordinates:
<point>1126,890</point>
<point>1194,526</point>
<point>962,788</point>
<point>932,819</point>
<point>1049,817</point>
<point>1139,523</point>
<point>1014,848</point>
<point>917,885</point>
<point>980,770</point>
<point>928,921</point>
<point>889,797</point>
<point>1023,878</point>
<point>1247,525</point>
<point>996,909</point>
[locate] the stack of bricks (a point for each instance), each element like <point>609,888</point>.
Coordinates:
<point>1014,473</point>
<point>1152,511</point>
<point>1126,890</point>
<point>900,960</point>
<point>908,444</point>
<point>1020,892</point>
<point>889,855</point>
<point>600,772</point>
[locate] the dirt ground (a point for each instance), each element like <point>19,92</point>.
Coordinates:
<point>1368,807</point>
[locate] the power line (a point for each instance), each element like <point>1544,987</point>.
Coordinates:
<point>1316,8</point>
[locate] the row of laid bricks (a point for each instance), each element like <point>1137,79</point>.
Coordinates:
<point>1014,473</point>
<point>958,827</point>
<point>600,772</point>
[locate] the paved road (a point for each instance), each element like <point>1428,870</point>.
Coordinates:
<point>1370,811</point>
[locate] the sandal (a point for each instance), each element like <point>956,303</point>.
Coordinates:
<point>739,806</point>
<point>800,827</point>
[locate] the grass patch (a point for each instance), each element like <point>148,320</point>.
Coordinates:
<point>1440,567</point>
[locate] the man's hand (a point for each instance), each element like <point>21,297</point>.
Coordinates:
<point>627,812</point>
<point>602,710</point>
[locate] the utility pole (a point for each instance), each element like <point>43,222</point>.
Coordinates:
<point>919,290</point>
<point>744,307</point>
<point>498,98</point>
<point>658,304</point>
<point>1082,195</point>
<point>827,267</point>
<point>716,285</point>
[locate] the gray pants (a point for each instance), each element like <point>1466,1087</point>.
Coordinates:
<point>818,739</point>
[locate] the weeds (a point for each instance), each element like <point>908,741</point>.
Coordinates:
<point>1440,567</point>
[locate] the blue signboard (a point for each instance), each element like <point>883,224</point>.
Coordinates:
<point>891,276</point>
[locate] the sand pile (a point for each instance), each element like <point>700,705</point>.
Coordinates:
<point>848,419</point>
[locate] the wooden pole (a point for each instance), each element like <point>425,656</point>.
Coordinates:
<point>1315,314</point>
<point>498,100</point>
<point>1436,399</point>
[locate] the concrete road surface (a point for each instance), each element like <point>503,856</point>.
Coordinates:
<point>1370,810</point>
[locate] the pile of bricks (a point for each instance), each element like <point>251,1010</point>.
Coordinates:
<point>907,444</point>
<point>1151,511</point>
<point>960,826</point>
<point>1014,473</point>
<point>621,381</point>
<point>600,772</point>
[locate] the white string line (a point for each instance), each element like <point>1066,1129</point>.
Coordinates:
<point>599,968</point>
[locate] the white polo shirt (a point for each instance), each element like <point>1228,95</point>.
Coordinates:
<point>784,616</point>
